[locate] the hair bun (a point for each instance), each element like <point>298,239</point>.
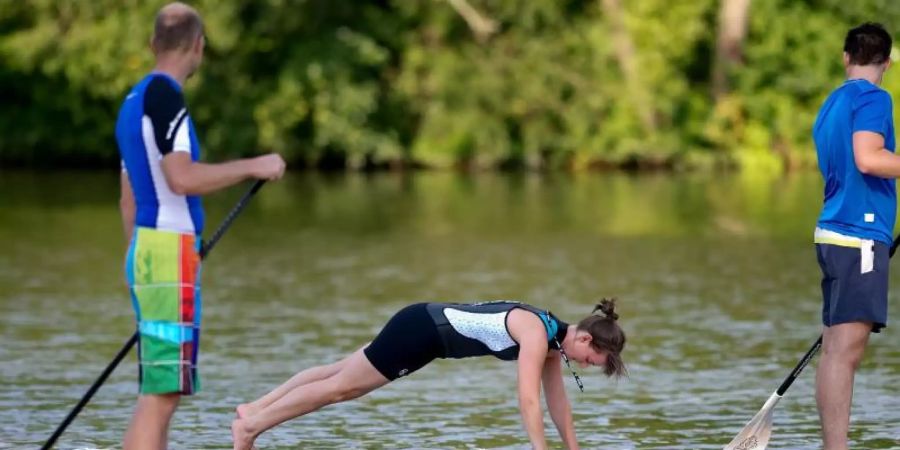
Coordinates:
<point>607,306</point>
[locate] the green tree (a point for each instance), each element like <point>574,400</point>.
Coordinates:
<point>453,83</point>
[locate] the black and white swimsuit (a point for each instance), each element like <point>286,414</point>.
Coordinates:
<point>419,333</point>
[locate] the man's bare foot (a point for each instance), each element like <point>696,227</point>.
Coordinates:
<point>241,436</point>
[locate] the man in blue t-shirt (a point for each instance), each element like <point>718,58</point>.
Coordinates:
<point>162,181</point>
<point>854,136</point>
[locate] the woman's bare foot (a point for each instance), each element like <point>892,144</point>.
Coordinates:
<point>241,436</point>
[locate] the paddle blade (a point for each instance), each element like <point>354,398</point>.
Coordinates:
<point>755,435</point>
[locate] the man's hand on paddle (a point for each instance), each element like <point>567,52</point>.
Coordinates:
<point>268,167</point>
<point>186,177</point>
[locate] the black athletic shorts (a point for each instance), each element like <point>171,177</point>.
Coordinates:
<point>854,290</point>
<point>407,343</point>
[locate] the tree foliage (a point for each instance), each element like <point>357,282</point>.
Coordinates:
<point>397,82</point>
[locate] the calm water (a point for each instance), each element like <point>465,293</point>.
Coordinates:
<point>716,276</point>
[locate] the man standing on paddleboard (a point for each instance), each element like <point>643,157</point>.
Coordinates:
<point>162,181</point>
<point>854,136</point>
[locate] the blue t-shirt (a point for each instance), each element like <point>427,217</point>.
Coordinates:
<point>153,122</point>
<point>856,204</point>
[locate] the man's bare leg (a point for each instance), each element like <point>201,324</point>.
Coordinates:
<point>843,346</point>
<point>149,427</point>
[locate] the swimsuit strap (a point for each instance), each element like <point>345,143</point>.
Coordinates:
<point>550,325</point>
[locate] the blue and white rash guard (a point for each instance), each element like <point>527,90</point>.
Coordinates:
<point>154,122</point>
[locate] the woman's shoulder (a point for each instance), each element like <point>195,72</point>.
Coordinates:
<point>522,320</point>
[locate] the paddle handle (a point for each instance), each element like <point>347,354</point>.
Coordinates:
<point>204,250</point>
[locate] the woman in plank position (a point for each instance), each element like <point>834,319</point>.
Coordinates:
<point>419,333</point>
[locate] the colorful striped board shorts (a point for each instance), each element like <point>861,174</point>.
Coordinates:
<point>163,269</point>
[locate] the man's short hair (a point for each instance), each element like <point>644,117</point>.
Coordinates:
<point>177,26</point>
<point>867,44</point>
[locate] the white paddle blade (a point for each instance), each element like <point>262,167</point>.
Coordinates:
<point>755,435</point>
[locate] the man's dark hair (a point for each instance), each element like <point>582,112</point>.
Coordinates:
<point>177,27</point>
<point>867,44</point>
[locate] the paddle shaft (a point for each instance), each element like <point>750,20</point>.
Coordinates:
<point>226,223</point>
<point>800,366</point>
<point>204,250</point>
<point>818,344</point>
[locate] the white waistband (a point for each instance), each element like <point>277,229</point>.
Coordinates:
<point>823,236</point>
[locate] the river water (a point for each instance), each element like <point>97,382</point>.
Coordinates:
<point>716,278</point>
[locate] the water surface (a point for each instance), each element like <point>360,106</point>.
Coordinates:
<point>716,277</point>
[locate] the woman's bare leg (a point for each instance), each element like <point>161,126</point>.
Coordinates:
<point>303,377</point>
<point>355,378</point>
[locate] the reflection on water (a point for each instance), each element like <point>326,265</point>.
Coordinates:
<point>716,277</point>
